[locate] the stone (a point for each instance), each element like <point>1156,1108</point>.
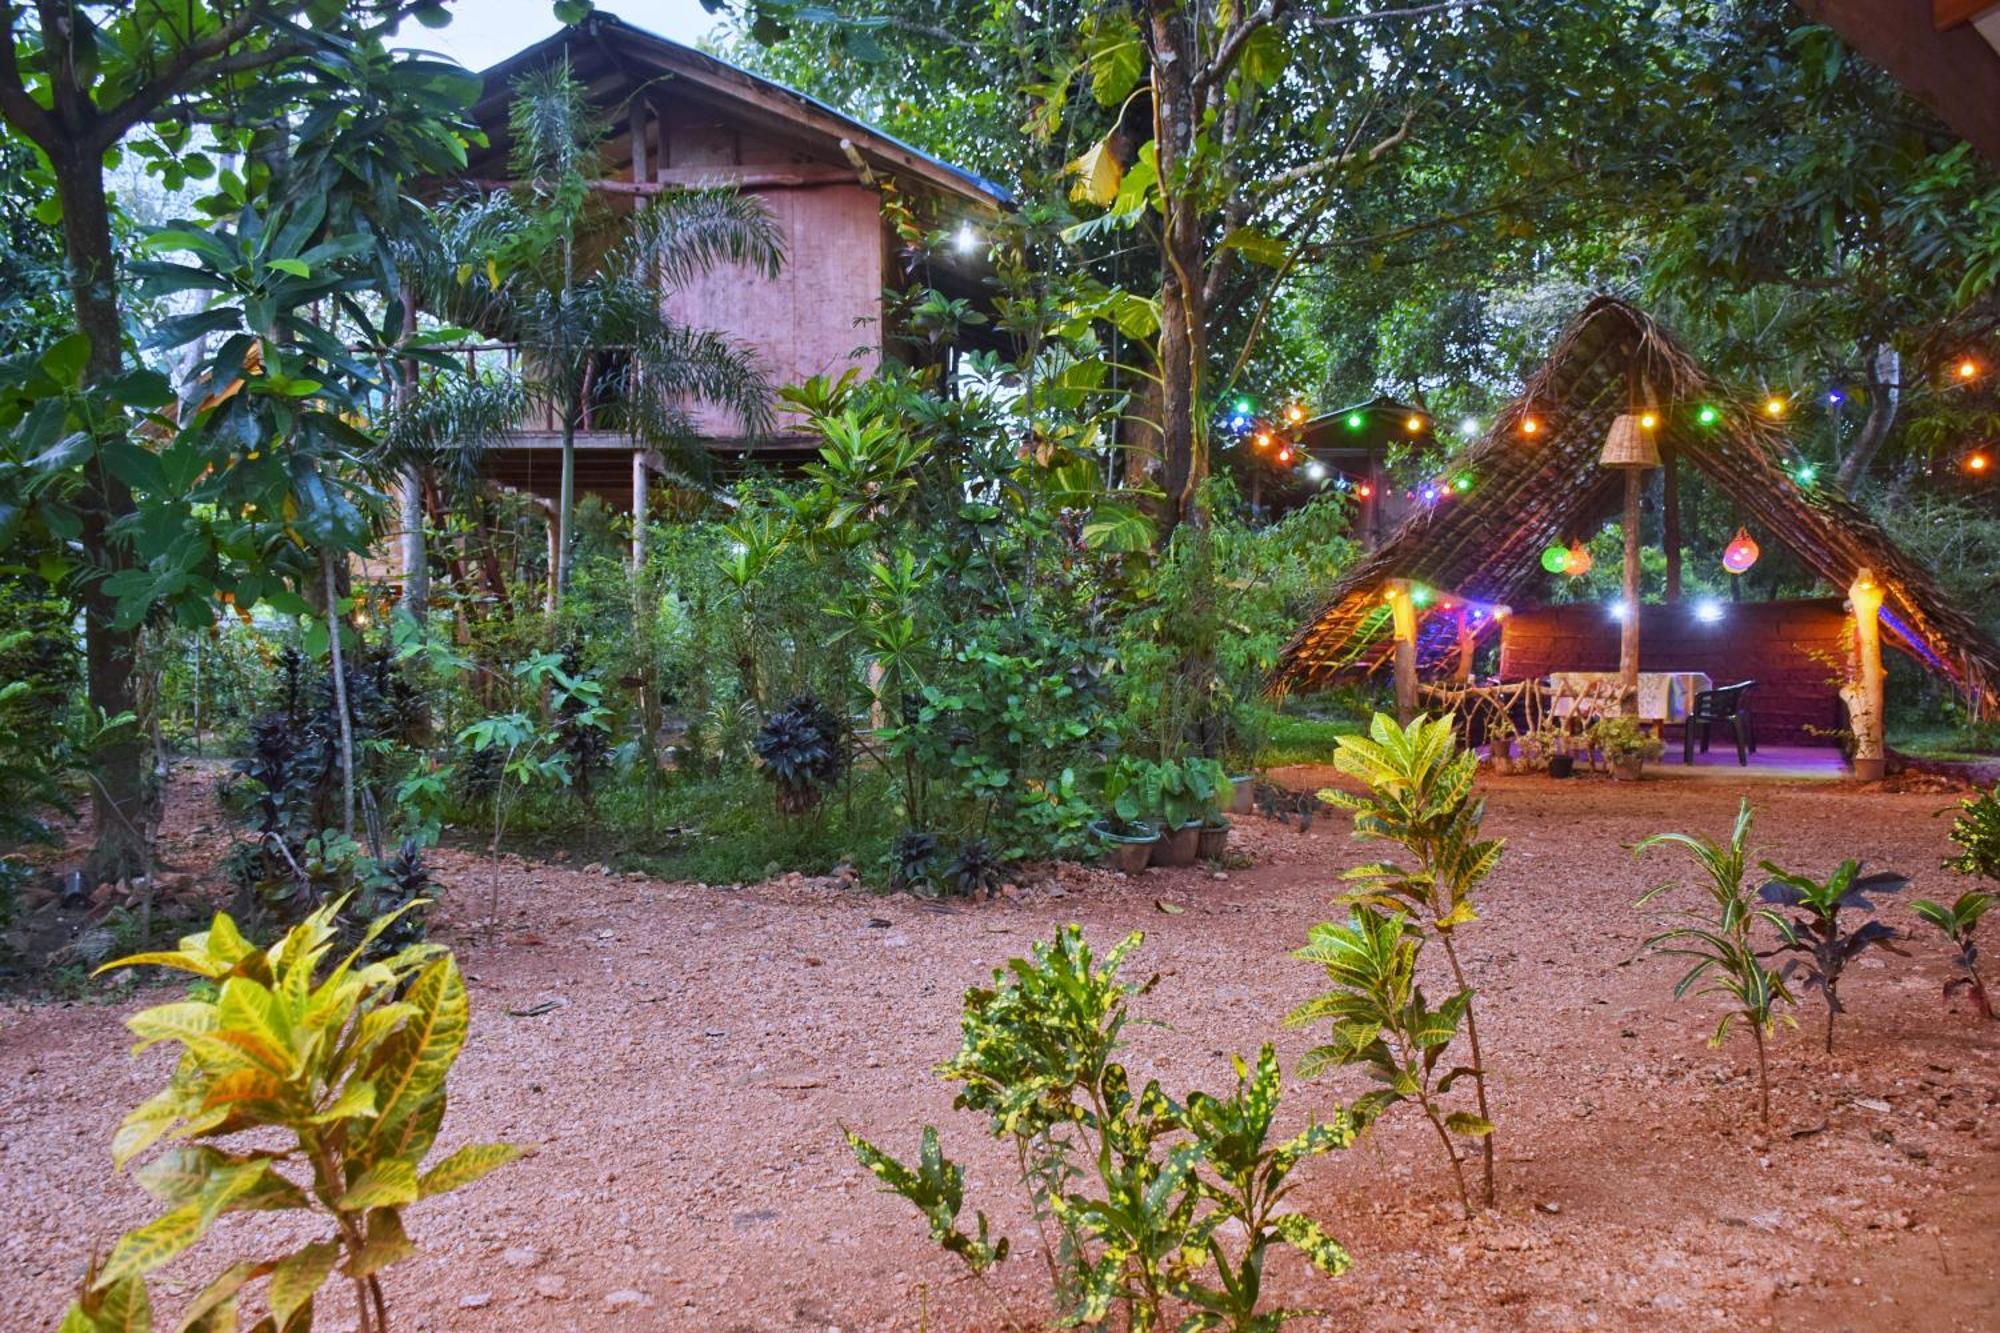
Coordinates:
<point>552,1286</point>
<point>478,1300</point>
<point>627,1299</point>
<point>521,1256</point>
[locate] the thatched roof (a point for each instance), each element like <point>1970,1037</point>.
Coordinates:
<point>1529,491</point>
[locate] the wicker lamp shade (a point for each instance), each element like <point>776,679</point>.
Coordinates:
<point>1629,444</point>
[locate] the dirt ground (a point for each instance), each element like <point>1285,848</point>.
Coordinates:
<point>679,1059</point>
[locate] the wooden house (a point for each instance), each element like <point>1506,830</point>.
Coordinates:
<point>684,118</point>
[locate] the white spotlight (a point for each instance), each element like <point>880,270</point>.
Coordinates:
<point>968,238</point>
<point>1708,610</point>
<point>1316,470</point>
<point>1618,610</point>
<point>1469,426</point>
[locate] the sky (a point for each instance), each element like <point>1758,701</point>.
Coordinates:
<point>485,32</point>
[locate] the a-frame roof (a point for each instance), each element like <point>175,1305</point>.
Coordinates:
<point>605,51</point>
<point>1531,490</point>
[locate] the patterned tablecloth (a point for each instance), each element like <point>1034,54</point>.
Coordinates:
<point>1664,696</point>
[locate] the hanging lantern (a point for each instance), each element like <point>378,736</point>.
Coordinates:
<point>1576,560</point>
<point>1555,558</point>
<point>1630,442</point>
<point>1741,553</point>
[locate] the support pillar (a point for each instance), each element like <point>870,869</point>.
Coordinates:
<point>1628,636</point>
<point>1863,694</point>
<point>416,564</point>
<point>1403,613</point>
<point>1670,521</point>
<point>1468,644</point>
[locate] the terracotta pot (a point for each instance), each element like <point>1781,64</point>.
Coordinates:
<point>1629,769</point>
<point>1243,794</point>
<point>1127,852</point>
<point>1214,837</point>
<point>1178,847</point>
<point>1871,770</point>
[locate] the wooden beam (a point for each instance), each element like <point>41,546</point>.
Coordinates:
<point>1954,73</point>
<point>668,179</point>
<point>1951,13</point>
<point>1403,612</point>
<point>1864,693</point>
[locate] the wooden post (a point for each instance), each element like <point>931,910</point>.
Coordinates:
<point>641,480</point>
<point>1863,694</point>
<point>1468,644</point>
<point>1403,612</point>
<point>1628,637</point>
<point>1670,520</point>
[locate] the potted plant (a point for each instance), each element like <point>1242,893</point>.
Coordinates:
<point>1173,795</point>
<point>1214,836</point>
<point>1128,840</point>
<point>1242,793</point>
<point>1500,742</point>
<point>1627,745</point>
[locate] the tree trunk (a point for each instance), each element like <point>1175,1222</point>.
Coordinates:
<point>1885,390</point>
<point>1183,321</point>
<point>565,517</point>
<point>118,794</point>
<point>416,562</point>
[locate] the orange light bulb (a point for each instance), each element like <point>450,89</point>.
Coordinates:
<point>1530,426</point>
<point>1978,462</point>
<point>1649,420</point>
<point>1774,406</point>
<point>1263,439</point>
<point>1968,368</point>
<point>1414,425</point>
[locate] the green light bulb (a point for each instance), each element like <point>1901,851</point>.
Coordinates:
<point>1708,416</point>
<point>1355,421</point>
<point>1464,483</point>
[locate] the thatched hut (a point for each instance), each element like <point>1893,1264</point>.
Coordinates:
<point>1536,479</point>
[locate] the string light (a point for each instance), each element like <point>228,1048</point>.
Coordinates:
<point>1285,456</point>
<point>1708,611</point>
<point>1530,426</point>
<point>1707,416</point>
<point>1296,413</point>
<point>1619,610</point>
<point>1463,483</point>
<point>1364,490</point>
<point>968,238</point>
<point>1420,595</point>
<point>1978,461</point>
<point>1355,421</point>
<point>1469,426</point>
<point>1244,407</point>
<point>1774,406</point>
<point>1264,439</point>
<point>1968,368</point>
<point>1316,470</point>
<point>1414,425</point>
<point>1806,474</point>
<point>1649,420</point>
<point>1836,397</point>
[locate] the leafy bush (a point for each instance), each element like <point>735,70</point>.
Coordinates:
<point>1724,962</point>
<point>976,867</point>
<point>335,1076</point>
<point>913,859</point>
<point>1825,945</point>
<point>1623,738</point>
<point>1976,830</point>
<point>1420,796</point>
<point>1957,923</point>
<point>1381,1020</point>
<point>1140,1201</point>
<point>803,750</point>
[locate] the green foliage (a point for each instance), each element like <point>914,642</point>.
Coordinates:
<point>1420,796</point>
<point>301,1088</point>
<point>1723,960</point>
<point>1624,738</point>
<point>1151,1201</point>
<point>1167,795</point>
<point>1380,1020</point>
<point>1957,923</point>
<point>1976,831</point>
<point>1825,946</point>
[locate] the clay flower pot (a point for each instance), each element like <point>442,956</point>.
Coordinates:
<point>1178,847</point>
<point>1242,794</point>
<point>1627,768</point>
<point>1129,852</point>
<point>1214,837</point>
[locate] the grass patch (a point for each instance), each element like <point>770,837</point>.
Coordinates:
<point>1306,740</point>
<point>726,830</point>
<point>1952,744</point>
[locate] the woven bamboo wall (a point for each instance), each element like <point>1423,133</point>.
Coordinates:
<point>1769,642</point>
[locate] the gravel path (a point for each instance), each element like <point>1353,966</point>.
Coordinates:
<point>679,1058</point>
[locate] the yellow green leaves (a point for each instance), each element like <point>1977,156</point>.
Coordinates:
<point>344,1082</point>
<point>465,1166</point>
<point>298,1276</point>
<point>1115,55</point>
<point>1306,1236</point>
<point>387,1184</point>
<point>1098,175</point>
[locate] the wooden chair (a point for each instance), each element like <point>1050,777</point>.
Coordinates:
<point>1729,704</point>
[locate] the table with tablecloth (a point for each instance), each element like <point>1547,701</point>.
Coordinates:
<point>1664,696</point>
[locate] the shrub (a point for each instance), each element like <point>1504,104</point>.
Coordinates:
<point>1381,1020</point>
<point>803,751</point>
<point>1977,833</point>
<point>1623,738</point>
<point>976,867</point>
<point>1825,945</point>
<point>1724,961</point>
<point>1420,785</point>
<point>1958,923</point>
<point>335,1076</point>
<point>1149,1201</point>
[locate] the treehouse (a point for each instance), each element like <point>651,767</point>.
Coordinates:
<point>1617,405</point>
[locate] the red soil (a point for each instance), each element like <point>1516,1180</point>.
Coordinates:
<point>679,1060</point>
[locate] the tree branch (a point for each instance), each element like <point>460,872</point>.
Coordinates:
<point>1227,54</point>
<point>1374,154</point>
<point>1381,15</point>
<point>186,69</point>
<point>20,110</point>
